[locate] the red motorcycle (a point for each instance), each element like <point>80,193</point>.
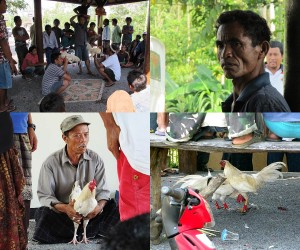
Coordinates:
<point>184,213</point>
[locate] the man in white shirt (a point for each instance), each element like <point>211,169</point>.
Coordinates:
<point>50,44</point>
<point>274,65</point>
<point>129,143</point>
<point>110,68</point>
<point>106,34</point>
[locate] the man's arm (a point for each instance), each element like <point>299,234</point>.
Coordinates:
<point>31,133</point>
<point>72,20</point>
<point>112,133</point>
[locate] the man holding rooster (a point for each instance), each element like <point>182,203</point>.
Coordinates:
<point>62,176</point>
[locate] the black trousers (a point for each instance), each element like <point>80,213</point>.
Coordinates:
<point>52,227</point>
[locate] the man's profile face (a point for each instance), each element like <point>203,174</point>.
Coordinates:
<point>77,139</point>
<point>274,58</point>
<point>237,56</point>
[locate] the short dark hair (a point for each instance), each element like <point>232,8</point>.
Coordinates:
<point>141,82</point>
<point>54,56</point>
<point>128,18</point>
<point>67,23</point>
<point>254,25</point>
<point>133,233</point>
<point>138,36</point>
<point>16,18</point>
<point>56,20</point>
<point>114,20</point>
<point>52,102</point>
<point>277,44</point>
<point>47,26</point>
<point>106,20</point>
<point>92,23</point>
<point>31,48</point>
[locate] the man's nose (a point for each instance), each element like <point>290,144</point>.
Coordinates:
<point>227,51</point>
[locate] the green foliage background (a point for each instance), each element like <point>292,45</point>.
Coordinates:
<point>186,27</point>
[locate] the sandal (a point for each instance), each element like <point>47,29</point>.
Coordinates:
<point>11,108</point>
<point>256,138</point>
<point>109,84</point>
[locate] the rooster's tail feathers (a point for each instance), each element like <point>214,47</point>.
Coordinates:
<point>270,173</point>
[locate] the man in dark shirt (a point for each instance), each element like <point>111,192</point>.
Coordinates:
<point>242,42</point>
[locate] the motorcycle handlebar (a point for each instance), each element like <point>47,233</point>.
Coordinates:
<point>178,194</point>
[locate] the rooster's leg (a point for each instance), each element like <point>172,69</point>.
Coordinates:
<point>225,205</point>
<point>245,207</point>
<point>217,205</point>
<point>74,240</point>
<point>84,239</point>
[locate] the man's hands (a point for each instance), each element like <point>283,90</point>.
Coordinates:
<point>69,210</point>
<point>33,139</point>
<point>112,133</point>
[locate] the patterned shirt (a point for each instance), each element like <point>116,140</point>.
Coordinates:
<point>3,34</point>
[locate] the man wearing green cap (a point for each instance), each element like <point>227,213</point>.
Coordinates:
<point>74,162</point>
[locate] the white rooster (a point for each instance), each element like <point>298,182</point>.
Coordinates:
<point>245,183</point>
<point>85,203</point>
<point>195,181</point>
<point>71,58</point>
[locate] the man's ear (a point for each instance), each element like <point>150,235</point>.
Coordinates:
<point>265,46</point>
<point>64,138</point>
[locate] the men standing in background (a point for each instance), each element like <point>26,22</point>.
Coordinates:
<point>21,36</point>
<point>106,34</point>
<point>116,34</point>
<point>32,33</point>
<point>80,38</point>
<point>274,65</point>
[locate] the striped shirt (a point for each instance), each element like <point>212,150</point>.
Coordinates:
<point>53,74</point>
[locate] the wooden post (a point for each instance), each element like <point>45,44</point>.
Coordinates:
<point>147,54</point>
<point>157,158</point>
<point>38,29</point>
<point>292,54</point>
<point>187,161</point>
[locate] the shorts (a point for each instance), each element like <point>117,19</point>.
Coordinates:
<point>110,74</point>
<point>5,76</point>
<point>82,52</point>
<point>134,189</point>
<point>56,86</point>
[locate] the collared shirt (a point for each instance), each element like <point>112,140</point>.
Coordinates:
<point>258,96</point>
<point>49,41</point>
<point>58,175</point>
<point>276,79</point>
<point>106,33</point>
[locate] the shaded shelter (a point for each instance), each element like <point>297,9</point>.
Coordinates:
<point>99,6</point>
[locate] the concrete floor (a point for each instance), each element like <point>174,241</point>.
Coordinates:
<point>271,223</point>
<point>27,94</point>
<point>92,245</point>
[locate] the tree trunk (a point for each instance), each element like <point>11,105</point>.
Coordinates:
<point>187,161</point>
<point>157,158</point>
